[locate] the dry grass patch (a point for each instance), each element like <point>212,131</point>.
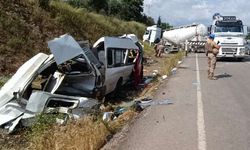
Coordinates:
<point>117,124</point>
<point>84,134</point>
<point>88,133</point>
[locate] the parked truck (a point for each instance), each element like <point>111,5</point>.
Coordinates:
<point>189,35</point>
<point>230,33</point>
<point>152,34</point>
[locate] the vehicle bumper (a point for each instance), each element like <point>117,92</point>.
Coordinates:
<point>230,56</point>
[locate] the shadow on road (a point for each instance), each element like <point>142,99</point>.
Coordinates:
<point>224,75</point>
<point>246,59</point>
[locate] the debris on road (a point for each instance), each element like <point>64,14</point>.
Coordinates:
<point>107,116</point>
<point>173,71</point>
<point>164,77</point>
<point>146,102</point>
<point>146,81</point>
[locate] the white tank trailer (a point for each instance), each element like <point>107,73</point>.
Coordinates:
<point>177,36</point>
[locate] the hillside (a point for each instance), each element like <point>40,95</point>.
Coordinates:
<point>25,29</point>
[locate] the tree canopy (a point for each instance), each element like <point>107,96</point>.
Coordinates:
<point>128,10</point>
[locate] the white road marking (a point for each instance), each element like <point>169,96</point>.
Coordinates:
<point>202,144</point>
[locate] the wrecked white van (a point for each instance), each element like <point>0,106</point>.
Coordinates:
<point>119,56</point>
<point>38,84</point>
<point>68,80</point>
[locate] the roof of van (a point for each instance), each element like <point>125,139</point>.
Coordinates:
<point>116,42</point>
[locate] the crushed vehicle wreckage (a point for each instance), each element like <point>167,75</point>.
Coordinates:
<point>70,80</point>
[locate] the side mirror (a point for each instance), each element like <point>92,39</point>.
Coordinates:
<point>245,30</point>
<point>209,30</point>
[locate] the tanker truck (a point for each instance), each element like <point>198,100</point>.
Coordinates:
<point>230,33</point>
<point>191,36</point>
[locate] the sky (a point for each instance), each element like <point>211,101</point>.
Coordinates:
<point>183,12</point>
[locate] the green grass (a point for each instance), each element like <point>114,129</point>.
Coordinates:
<point>25,29</point>
<point>172,62</point>
<point>83,24</point>
<point>148,50</point>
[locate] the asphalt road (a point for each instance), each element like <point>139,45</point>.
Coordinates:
<point>206,114</point>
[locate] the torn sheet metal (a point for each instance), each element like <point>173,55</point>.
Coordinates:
<point>64,48</point>
<point>12,125</point>
<point>111,42</point>
<point>59,77</point>
<point>107,116</point>
<point>10,111</point>
<point>40,100</point>
<point>149,102</point>
<point>20,79</point>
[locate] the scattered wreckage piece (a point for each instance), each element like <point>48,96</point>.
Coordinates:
<point>44,102</point>
<point>141,104</point>
<point>69,80</point>
<point>138,105</point>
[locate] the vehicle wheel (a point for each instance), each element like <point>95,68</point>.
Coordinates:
<point>239,59</point>
<point>118,85</point>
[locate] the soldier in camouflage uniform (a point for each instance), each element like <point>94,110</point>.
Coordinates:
<point>159,48</point>
<point>212,49</point>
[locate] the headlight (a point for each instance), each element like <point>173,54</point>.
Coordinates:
<point>242,50</point>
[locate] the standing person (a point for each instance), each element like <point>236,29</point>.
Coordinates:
<point>212,49</point>
<point>159,48</point>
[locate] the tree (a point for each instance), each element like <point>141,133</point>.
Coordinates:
<point>97,5</point>
<point>165,26</point>
<point>147,20</point>
<point>44,4</point>
<point>131,10</point>
<point>248,36</point>
<point>159,24</point>
<point>114,7</point>
<point>77,3</point>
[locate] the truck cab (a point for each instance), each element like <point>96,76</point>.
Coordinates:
<point>152,33</point>
<point>230,35</point>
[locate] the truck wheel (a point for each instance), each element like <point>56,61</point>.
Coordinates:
<point>239,59</point>
<point>115,92</point>
<point>118,85</point>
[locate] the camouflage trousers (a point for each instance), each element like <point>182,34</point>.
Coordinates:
<point>211,64</point>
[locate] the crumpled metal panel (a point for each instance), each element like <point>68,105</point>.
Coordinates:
<point>21,78</point>
<point>39,100</point>
<point>64,48</point>
<point>13,124</point>
<point>10,111</point>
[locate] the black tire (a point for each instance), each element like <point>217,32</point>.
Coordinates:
<point>118,85</point>
<point>239,59</point>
